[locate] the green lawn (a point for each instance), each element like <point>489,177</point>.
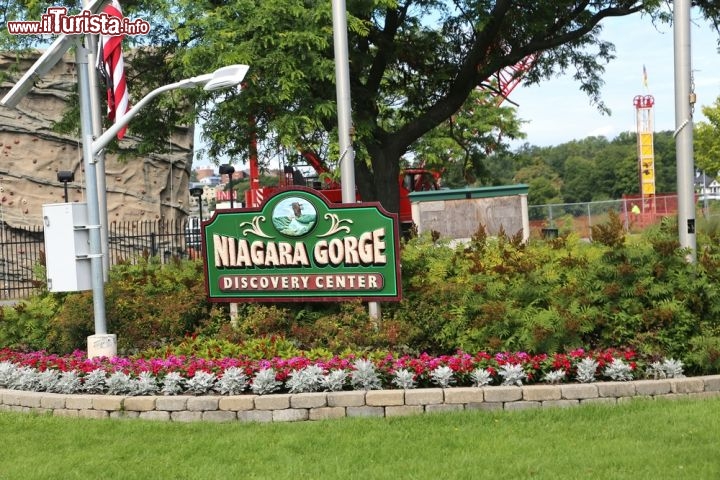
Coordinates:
<point>643,439</point>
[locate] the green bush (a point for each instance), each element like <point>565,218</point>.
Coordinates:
<point>146,304</point>
<point>491,294</point>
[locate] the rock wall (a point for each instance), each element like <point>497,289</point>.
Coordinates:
<point>147,187</point>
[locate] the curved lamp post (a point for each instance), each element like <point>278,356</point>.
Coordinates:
<point>102,343</point>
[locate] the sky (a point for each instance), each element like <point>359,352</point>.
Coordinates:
<point>558,112</point>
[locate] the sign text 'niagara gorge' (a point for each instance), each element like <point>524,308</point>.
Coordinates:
<point>299,248</point>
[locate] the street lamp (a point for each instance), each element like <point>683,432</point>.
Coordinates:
<point>103,343</point>
<point>65,176</point>
<point>197,192</point>
<point>227,169</point>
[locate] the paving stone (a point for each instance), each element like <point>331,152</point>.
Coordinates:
<point>365,411</point>
<point>424,396</point>
<point>64,412</point>
<point>616,389</point>
<point>290,415</point>
<point>383,398</point>
<point>464,395</point>
<point>521,405</point>
<point>272,402</point>
<point>255,416</point>
<point>107,402</point>
<point>453,407</point>
<point>484,406</point>
<point>346,399</point>
<point>52,400</point>
<point>326,413</point>
<point>687,385</point>
<point>579,391</point>
<point>171,403</point>
<point>237,402</point>
<point>139,404</point>
<point>155,415</point>
<point>308,400</point>
<point>123,415</point>
<point>538,393</point>
<point>219,416</point>
<point>79,402</point>
<point>185,416</point>
<point>403,410</point>
<point>560,403</point>
<point>93,414</point>
<point>602,400</point>
<point>712,383</point>
<point>652,387</point>
<point>203,403</point>
<point>502,394</point>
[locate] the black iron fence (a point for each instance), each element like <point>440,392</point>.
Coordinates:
<point>23,249</point>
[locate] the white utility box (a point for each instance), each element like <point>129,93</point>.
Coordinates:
<point>67,247</point>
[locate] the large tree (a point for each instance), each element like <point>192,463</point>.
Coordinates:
<point>413,65</point>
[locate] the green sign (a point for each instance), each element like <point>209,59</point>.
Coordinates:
<point>297,247</point>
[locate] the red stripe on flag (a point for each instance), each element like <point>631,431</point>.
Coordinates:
<point>114,68</point>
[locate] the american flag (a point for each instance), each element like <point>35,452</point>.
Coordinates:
<point>112,68</point>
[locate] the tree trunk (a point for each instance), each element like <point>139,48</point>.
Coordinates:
<point>380,184</point>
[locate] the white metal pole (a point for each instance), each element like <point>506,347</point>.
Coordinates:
<point>100,159</point>
<point>95,247</point>
<point>684,127</point>
<point>344,106</point>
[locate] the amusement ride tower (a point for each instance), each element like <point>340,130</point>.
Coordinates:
<point>646,153</point>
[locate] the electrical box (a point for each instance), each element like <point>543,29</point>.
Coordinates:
<point>67,247</point>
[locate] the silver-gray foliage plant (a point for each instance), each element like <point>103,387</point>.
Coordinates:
<point>404,378</point>
<point>512,374</point>
<point>120,383</point>
<point>335,380</point>
<point>555,376</point>
<point>233,381</point>
<point>481,377</point>
<point>7,372</point>
<point>668,368</point>
<point>146,384</point>
<point>48,380</point>
<point>25,378</point>
<point>586,369</point>
<point>442,376</point>
<point>308,379</point>
<point>618,370</point>
<point>173,384</point>
<point>69,382</point>
<point>95,381</point>
<point>264,382</point>
<point>200,383</point>
<point>365,376</point>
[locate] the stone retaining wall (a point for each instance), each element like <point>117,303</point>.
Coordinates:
<point>374,403</point>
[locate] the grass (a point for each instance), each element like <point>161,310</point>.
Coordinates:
<point>643,439</point>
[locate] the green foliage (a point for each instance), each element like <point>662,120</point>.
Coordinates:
<point>25,326</point>
<point>147,305</point>
<point>491,294</point>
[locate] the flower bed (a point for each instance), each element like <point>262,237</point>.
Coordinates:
<point>180,375</point>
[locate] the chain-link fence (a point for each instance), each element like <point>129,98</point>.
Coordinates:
<point>635,212</point>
